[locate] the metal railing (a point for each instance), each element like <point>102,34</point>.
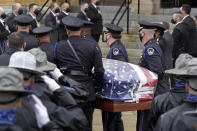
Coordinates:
<point>125,4</point>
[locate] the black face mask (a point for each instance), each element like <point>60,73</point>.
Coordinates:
<point>36,12</point>
<point>141,37</point>
<point>173,21</point>
<point>86,10</point>
<point>97,3</point>
<point>57,10</point>
<point>3,16</point>
<point>20,11</point>
<point>68,10</point>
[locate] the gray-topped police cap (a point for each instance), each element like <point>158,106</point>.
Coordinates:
<point>41,60</point>
<point>23,20</point>
<point>11,81</point>
<point>24,61</point>
<point>113,28</point>
<point>191,68</point>
<point>180,65</point>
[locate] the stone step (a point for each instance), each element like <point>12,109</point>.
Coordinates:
<point>134,60</point>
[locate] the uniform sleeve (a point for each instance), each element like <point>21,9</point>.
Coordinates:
<point>98,67</point>
<point>63,98</point>
<point>154,116</point>
<point>51,126</point>
<point>70,119</point>
<point>117,54</point>
<point>154,61</point>
<point>65,112</point>
<point>165,122</point>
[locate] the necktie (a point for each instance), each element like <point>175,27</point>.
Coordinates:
<point>55,17</point>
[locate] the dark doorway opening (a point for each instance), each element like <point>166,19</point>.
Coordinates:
<point>177,3</point>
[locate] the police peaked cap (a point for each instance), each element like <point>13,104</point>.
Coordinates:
<point>23,20</point>
<point>42,31</point>
<point>72,23</point>
<point>114,29</point>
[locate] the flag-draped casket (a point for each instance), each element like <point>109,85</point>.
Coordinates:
<point>127,82</point>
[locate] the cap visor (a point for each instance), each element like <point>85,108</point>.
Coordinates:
<point>35,72</point>
<point>176,72</point>
<point>48,67</point>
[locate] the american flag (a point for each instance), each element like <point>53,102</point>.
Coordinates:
<point>127,82</point>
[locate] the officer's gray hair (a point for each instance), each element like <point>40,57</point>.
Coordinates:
<point>149,31</point>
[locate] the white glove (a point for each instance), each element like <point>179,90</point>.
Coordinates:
<point>51,83</point>
<point>40,111</point>
<point>56,74</point>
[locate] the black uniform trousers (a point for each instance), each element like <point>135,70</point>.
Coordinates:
<point>88,110</point>
<point>112,121</point>
<point>142,117</point>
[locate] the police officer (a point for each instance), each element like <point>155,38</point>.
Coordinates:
<point>173,119</point>
<point>4,30</point>
<point>23,25</point>
<point>86,31</point>
<point>56,99</point>
<point>176,96</point>
<point>152,59</point>
<point>112,121</point>
<point>78,56</point>
<point>44,41</point>
<point>16,10</point>
<point>12,94</point>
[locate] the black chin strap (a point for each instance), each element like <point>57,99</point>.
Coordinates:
<point>9,101</point>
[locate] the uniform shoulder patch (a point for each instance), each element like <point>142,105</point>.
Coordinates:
<point>150,51</point>
<point>115,51</point>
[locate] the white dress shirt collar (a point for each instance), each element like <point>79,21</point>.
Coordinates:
<point>65,13</point>
<point>32,16</point>
<point>2,21</point>
<point>185,17</point>
<point>94,5</point>
<point>53,13</point>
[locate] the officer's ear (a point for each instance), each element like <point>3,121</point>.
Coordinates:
<point>142,34</point>
<point>30,27</point>
<point>38,40</point>
<point>24,45</point>
<point>187,87</point>
<point>68,32</point>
